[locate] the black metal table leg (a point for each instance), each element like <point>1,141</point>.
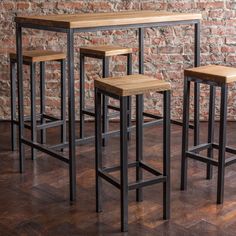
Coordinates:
<point>211,128</point>
<point>184,161</point>
<point>124,164</point>
<point>71,107</point>
<point>129,72</point>
<point>98,148</point>
<point>105,121</point>
<point>141,50</point>
<point>63,101</point>
<point>20,94</point>
<point>139,143</point>
<point>222,144</point>
<point>82,88</point>
<point>13,104</point>
<point>42,100</point>
<point>196,85</point>
<point>166,155</point>
<point>33,108</point>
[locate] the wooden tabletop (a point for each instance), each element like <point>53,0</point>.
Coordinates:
<point>91,20</point>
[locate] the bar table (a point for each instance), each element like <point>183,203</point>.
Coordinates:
<point>90,22</point>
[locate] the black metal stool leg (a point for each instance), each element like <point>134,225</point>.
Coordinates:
<point>105,122</point>
<point>196,113</point>
<point>20,96</point>
<point>13,105</point>
<point>129,72</point>
<point>82,105</point>
<point>124,164</point>
<point>197,30</point>
<point>63,101</point>
<point>98,148</point>
<point>166,155</point>
<point>42,100</point>
<point>211,129</point>
<point>33,108</point>
<point>139,143</point>
<point>222,144</point>
<point>184,160</point>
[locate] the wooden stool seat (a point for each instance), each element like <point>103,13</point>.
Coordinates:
<point>105,50</point>
<point>39,56</point>
<point>214,73</point>
<point>131,85</point>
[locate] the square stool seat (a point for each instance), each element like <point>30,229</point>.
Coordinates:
<point>131,85</point>
<point>39,56</point>
<point>214,73</point>
<point>106,50</point>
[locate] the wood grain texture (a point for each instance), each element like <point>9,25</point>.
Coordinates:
<point>106,19</point>
<point>39,55</point>
<point>106,50</point>
<point>36,202</point>
<point>131,85</point>
<point>215,73</point>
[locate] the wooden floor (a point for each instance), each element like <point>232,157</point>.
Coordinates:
<point>36,202</point>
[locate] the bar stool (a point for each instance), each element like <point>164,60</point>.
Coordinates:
<point>121,88</point>
<point>31,58</point>
<point>214,76</point>
<point>103,52</point>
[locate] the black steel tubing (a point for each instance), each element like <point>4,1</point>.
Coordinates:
<point>166,155</point>
<point>124,163</point>
<point>63,101</point>
<point>71,107</point>
<point>98,148</point>
<point>33,108</point>
<point>139,143</point>
<point>20,94</point>
<point>222,144</point>
<point>184,161</point>
<point>81,93</point>
<point>105,99</point>
<point>42,100</point>
<point>13,104</point>
<point>211,121</point>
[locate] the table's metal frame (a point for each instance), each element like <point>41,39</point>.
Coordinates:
<point>71,95</point>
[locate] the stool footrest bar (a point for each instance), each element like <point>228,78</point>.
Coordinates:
<point>149,169</point>
<point>111,107</point>
<point>144,183</point>
<point>202,158</point>
<point>88,112</point>
<point>50,124</point>
<point>27,126</point>
<point>231,160</point>
<point>200,147</point>
<point>117,168</point>
<point>45,149</point>
<point>227,148</point>
<point>52,118</point>
<point>109,178</point>
<point>175,122</point>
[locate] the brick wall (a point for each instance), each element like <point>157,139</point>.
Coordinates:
<point>167,50</point>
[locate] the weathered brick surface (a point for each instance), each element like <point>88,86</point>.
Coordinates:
<point>167,50</point>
